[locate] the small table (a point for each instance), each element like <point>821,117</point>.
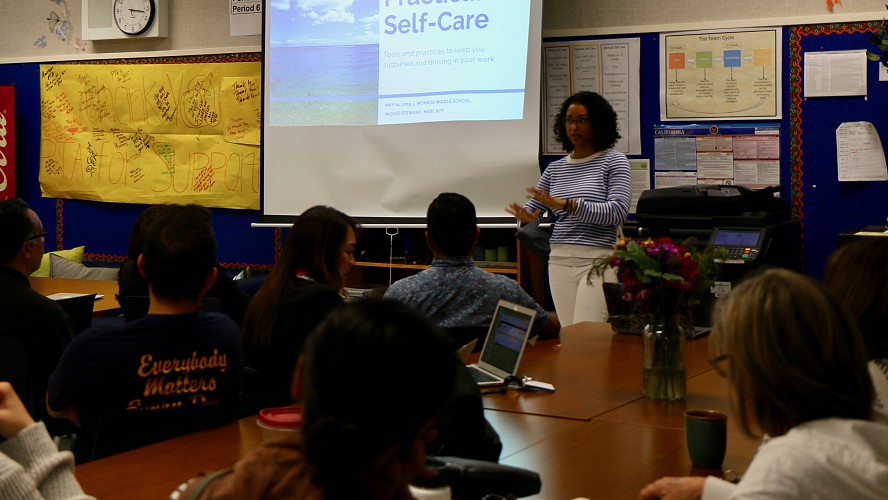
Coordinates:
<point>105,306</point>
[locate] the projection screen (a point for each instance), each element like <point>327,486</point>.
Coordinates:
<point>376,106</point>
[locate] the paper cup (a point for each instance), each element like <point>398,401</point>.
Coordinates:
<point>278,422</point>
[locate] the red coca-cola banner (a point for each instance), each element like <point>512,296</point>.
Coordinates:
<point>7,142</point>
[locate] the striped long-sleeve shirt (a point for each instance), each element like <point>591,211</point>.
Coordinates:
<point>602,186</point>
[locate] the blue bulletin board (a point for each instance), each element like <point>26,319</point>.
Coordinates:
<point>808,164</point>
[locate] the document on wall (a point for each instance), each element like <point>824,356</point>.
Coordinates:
<point>835,73</point>
<point>610,68</point>
<point>641,179</point>
<point>859,153</point>
<point>245,17</point>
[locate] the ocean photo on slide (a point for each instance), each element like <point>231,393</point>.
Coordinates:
<point>326,85</point>
<point>324,62</point>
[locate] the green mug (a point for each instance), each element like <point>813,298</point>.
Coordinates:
<point>707,437</point>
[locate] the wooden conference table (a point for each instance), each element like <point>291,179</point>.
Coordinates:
<point>596,436</point>
<point>105,306</point>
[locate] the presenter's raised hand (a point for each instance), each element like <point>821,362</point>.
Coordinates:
<point>13,415</point>
<point>543,196</point>
<point>521,214</point>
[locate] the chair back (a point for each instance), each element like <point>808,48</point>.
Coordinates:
<point>15,369</point>
<point>477,478</point>
<point>79,311</point>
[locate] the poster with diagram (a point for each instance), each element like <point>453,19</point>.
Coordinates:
<point>721,75</point>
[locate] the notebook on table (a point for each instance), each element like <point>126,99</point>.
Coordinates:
<point>504,345</point>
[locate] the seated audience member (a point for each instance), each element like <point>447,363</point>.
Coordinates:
<point>24,313</point>
<point>857,275</point>
<point>359,439</point>
<point>131,283</point>
<point>454,292</point>
<point>176,363</point>
<point>302,289</point>
<point>30,464</point>
<point>796,368</point>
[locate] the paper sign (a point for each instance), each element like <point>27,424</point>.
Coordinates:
<point>860,156</point>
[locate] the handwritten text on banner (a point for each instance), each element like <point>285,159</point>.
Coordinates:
<point>150,133</point>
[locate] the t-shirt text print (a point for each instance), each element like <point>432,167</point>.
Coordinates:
<point>180,382</point>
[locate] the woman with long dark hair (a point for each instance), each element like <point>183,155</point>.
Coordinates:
<point>303,288</point>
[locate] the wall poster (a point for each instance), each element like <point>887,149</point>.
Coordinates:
<point>721,75</point>
<point>744,154</point>
<point>607,67</point>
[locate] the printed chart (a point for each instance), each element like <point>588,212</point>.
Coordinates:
<point>725,75</point>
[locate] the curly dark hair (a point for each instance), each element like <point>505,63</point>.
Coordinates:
<point>602,117</point>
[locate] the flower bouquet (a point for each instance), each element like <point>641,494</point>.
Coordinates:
<point>662,278</point>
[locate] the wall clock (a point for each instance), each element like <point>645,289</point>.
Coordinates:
<point>116,19</point>
<point>134,17</point>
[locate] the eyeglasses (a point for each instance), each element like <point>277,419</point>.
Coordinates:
<point>581,121</point>
<point>718,363</point>
<point>37,236</point>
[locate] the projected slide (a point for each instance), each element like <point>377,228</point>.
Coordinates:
<point>371,62</point>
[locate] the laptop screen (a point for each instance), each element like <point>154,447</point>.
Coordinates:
<point>508,333</point>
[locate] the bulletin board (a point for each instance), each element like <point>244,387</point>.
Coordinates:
<point>807,136</point>
<point>104,226</point>
<point>155,132</point>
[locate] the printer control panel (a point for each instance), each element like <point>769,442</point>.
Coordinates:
<point>743,245</point>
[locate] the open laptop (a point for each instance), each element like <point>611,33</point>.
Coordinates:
<point>508,333</point>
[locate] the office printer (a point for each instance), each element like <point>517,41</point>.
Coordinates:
<point>753,226</point>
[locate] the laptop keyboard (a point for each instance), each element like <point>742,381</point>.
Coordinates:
<point>480,376</point>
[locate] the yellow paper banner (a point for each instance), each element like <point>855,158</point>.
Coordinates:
<point>150,133</point>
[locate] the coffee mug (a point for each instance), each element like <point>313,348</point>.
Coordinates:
<point>707,437</point>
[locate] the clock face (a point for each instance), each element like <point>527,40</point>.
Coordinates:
<point>133,17</point>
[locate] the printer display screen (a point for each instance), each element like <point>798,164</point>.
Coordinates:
<point>736,238</point>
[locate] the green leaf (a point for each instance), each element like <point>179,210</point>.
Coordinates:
<point>872,56</point>
<point>638,256</point>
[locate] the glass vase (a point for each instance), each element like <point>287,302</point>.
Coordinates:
<point>664,358</point>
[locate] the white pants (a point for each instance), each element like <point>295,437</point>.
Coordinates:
<point>575,298</point>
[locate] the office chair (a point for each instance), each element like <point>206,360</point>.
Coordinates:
<point>479,479</point>
<point>79,311</point>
